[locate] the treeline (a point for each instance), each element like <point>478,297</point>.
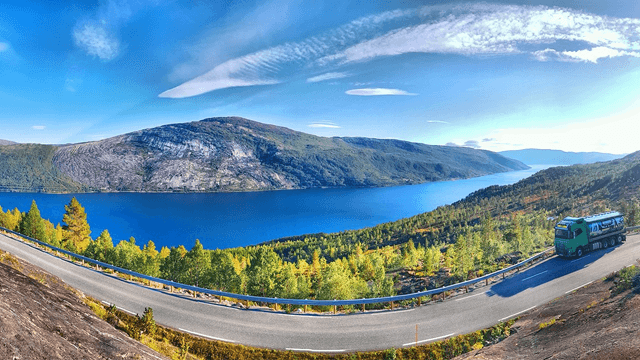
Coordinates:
<point>260,270</point>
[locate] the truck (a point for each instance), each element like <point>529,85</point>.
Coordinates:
<point>575,236</point>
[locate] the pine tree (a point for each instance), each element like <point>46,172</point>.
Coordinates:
<point>76,225</point>
<point>32,224</point>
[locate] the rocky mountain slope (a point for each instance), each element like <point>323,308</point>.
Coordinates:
<point>42,318</point>
<point>6,142</point>
<point>236,154</point>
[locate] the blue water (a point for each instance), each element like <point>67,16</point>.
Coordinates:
<point>239,219</point>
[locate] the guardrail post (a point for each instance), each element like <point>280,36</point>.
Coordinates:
<point>362,307</point>
<point>502,276</point>
<point>419,301</point>
<point>334,309</point>
<point>391,305</point>
<point>466,289</point>
<point>486,282</point>
<point>305,307</point>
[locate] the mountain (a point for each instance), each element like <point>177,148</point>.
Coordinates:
<point>6,142</point>
<point>236,154</point>
<point>557,157</point>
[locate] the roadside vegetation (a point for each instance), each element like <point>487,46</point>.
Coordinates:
<point>490,229</point>
<point>178,345</point>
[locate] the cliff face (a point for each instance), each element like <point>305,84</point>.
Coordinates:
<point>236,154</point>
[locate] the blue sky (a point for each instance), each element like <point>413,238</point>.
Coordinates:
<point>493,75</point>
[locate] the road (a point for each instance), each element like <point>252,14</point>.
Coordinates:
<point>481,308</point>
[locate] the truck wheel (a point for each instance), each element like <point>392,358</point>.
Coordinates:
<point>579,252</point>
<point>605,243</point>
<point>612,241</point>
<point>619,239</point>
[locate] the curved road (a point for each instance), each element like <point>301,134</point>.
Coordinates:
<point>479,309</point>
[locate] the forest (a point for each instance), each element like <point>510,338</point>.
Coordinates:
<point>489,229</point>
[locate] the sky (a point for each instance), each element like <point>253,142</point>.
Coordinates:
<point>501,75</point>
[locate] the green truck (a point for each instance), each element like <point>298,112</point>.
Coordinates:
<point>577,236</point>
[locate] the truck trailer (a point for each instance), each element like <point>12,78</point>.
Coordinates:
<point>577,236</point>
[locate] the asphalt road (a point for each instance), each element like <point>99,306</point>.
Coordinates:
<point>481,308</point>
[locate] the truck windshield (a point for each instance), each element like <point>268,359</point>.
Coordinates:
<point>562,234</point>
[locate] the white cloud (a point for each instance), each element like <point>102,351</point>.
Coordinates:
<point>38,127</point>
<point>437,122</point>
<point>377,92</point>
<point>4,46</point>
<point>95,40</point>
<point>600,52</point>
<point>326,124</point>
<point>97,33</point>
<point>328,76</point>
<point>471,29</point>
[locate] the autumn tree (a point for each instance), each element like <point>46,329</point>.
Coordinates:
<point>76,227</point>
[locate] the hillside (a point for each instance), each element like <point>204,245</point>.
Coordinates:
<point>595,322</point>
<point>42,318</point>
<point>6,142</point>
<point>29,168</point>
<point>557,157</point>
<point>236,154</point>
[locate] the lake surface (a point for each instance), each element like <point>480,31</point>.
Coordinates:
<point>223,220</point>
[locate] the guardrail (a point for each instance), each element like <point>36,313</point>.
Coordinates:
<point>387,299</point>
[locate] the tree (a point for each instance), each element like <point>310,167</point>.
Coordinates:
<point>76,225</point>
<point>197,265</point>
<point>32,224</point>
<point>173,265</point>
<point>262,272</point>
<point>102,248</point>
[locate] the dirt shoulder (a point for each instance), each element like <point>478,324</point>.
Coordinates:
<point>42,318</point>
<point>594,322</point>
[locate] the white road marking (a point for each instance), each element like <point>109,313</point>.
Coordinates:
<point>127,311</point>
<point>580,258</point>
<point>312,350</point>
<point>518,313</point>
<point>206,336</point>
<point>579,287</point>
<point>535,275</point>
<point>427,340</point>
<point>466,297</point>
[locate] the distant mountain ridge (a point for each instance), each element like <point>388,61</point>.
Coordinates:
<point>236,154</point>
<point>6,142</point>
<point>557,157</point>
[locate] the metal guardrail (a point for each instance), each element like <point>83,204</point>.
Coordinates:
<point>270,300</point>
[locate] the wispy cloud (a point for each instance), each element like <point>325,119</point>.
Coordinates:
<point>469,29</point>
<point>97,33</point>
<point>328,76</point>
<point>324,124</point>
<point>72,84</point>
<point>38,127</point>
<point>377,92</point>
<point>4,46</point>
<point>437,122</point>
<point>586,55</point>
<point>452,144</point>
<point>95,40</point>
